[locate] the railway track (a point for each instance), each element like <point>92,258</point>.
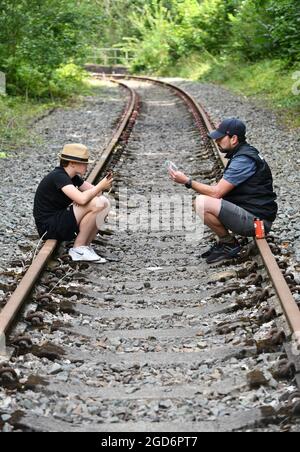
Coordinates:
<point>155,340</point>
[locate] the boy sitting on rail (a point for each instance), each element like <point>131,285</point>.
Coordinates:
<point>243,194</point>
<point>67,208</point>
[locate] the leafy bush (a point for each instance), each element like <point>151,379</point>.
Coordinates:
<point>166,31</point>
<point>262,28</point>
<point>30,80</point>
<point>37,37</point>
<point>162,31</point>
<point>250,30</point>
<point>67,80</point>
<point>15,119</point>
<point>206,24</point>
<point>285,28</point>
<point>155,37</point>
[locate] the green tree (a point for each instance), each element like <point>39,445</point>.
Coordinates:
<point>250,33</point>
<point>114,20</point>
<point>264,28</point>
<point>285,28</point>
<point>154,37</point>
<point>163,31</point>
<point>206,24</point>
<point>37,37</point>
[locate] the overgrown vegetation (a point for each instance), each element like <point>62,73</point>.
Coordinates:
<point>15,117</point>
<point>249,29</point>
<point>271,82</point>
<point>44,42</point>
<point>252,46</point>
<point>41,42</point>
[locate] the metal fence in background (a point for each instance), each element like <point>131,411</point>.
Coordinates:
<point>110,56</point>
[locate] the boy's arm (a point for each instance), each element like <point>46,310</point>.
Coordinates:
<point>85,186</point>
<point>83,198</point>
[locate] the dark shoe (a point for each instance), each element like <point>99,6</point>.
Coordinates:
<point>215,247</point>
<point>225,251</point>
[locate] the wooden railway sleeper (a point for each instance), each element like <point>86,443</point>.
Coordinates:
<point>48,350</point>
<point>228,290</point>
<point>264,316</point>
<point>229,327</point>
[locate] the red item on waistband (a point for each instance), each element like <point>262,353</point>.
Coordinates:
<point>259,229</point>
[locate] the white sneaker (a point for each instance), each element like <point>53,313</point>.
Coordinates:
<point>100,259</point>
<point>84,254</point>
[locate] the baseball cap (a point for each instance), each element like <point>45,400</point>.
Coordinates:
<point>231,126</point>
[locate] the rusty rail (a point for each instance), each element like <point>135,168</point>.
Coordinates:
<point>285,296</point>
<point>17,299</point>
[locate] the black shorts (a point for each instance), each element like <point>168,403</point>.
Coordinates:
<point>62,226</point>
<point>239,220</point>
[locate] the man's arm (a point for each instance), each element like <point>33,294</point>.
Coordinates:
<point>215,191</point>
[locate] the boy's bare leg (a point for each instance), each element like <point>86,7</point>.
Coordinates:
<point>86,217</point>
<point>100,219</point>
<point>86,226</point>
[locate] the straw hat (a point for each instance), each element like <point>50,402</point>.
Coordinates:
<point>77,153</point>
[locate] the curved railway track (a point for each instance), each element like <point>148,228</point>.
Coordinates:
<point>155,341</point>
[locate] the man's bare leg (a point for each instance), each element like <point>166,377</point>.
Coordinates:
<point>227,248</point>
<point>215,225</point>
<point>209,210</point>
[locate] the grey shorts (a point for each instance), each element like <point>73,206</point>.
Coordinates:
<point>238,220</point>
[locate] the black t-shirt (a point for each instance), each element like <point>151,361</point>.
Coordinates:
<point>49,198</point>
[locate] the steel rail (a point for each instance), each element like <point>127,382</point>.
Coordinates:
<point>19,296</point>
<point>285,296</point>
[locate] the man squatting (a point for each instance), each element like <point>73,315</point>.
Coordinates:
<point>245,193</point>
